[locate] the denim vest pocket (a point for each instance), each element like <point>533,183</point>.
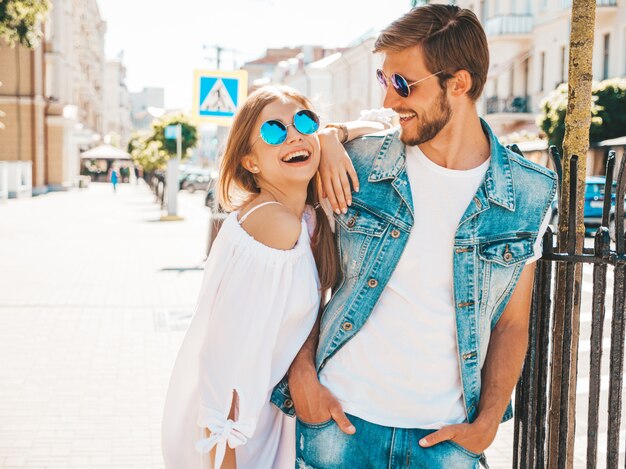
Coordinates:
<point>501,260</point>
<point>507,252</point>
<point>357,230</point>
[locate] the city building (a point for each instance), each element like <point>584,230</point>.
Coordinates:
<point>529,45</point>
<point>340,82</point>
<point>278,62</point>
<point>53,95</point>
<point>117,107</point>
<point>145,105</point>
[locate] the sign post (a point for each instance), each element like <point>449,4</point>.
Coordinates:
<point>173,132</point>
<point>217,96</point>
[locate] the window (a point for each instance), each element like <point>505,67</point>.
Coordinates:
<point>605,57</point>
<point>526,69</point>
<point>563,64</point>
<point>542,71</point>
<point>529,6</point>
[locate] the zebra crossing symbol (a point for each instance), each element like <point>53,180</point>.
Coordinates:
<point>218,94</point>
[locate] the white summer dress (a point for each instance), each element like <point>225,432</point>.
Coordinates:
<point>256,307</point>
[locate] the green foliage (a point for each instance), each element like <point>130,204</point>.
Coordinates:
<point>417,3</point>
<point>189,135</point>
<point>608,119</point>
<point>151,150</point>
<point>146,152</point>
<point>20,21</point>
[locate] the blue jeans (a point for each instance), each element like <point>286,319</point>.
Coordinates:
<point>325,446</point>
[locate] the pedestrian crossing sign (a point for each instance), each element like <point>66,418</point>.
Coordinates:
<point>218,95</point>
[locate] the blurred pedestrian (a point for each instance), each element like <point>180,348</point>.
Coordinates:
<point>114,178</point>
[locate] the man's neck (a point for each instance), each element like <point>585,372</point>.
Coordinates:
<point>462,144</point>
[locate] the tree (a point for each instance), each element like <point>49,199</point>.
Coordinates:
<point>2,114</point>
<point>168,146</point>
<point>575,143</point>
<point>146,153</point>
<point>20,21</point>
<point>152,150</point>
<point>608,119</point>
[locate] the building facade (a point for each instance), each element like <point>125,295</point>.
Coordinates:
<point>141,103</point>
<point>340,82</point>
<point>529,46</point>
<point>117,106</point>
<point>53,95</point>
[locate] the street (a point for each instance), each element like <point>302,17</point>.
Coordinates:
<point>95,294</point>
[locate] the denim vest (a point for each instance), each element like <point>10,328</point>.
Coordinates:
<point>494,238</point>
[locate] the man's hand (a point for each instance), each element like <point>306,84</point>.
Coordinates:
<point>335,169</point>
<point>475,437</point>
<point>314,403</point>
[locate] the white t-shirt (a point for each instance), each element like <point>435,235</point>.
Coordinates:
<point>401,369</point>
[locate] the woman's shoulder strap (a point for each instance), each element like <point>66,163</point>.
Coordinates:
<point>249,212</point>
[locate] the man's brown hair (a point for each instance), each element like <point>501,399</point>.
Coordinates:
<point>451,38</point>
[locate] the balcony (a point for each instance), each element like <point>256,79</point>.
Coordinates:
<point>600,3</point>
<point>514,104</point>
<point>509,25</point>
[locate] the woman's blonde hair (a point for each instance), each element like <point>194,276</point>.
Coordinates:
<point>237,185</point>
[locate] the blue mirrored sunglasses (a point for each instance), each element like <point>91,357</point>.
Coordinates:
<point>274,132</point>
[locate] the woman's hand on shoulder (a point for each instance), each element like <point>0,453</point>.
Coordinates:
<point>275,226</point>
<point>335,170</point>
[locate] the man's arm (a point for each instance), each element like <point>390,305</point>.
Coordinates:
<point>313,402</point>
<point>501,371</point>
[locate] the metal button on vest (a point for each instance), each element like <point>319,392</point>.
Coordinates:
<point>395,233</point>
<point>351,222</point>
<point>288,403</point>
<point>507,256</point>
<point>347,326</point>
<point>373,283</point>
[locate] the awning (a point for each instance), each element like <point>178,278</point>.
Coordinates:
<point>614,142</point>
<point>105,152</point>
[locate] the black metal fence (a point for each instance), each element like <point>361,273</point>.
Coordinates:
<point>533,447</point>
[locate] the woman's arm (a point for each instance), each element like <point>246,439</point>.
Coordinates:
<point>230,461</point>
<point>336,169</point>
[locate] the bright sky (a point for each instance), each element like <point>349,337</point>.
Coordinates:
<point>163,41</point>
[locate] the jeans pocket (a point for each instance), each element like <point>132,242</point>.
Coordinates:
<point>316,426</point>
<point>464,450</point>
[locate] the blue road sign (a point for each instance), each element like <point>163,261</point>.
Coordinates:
<point>171,132</point>
<point>218,95</point>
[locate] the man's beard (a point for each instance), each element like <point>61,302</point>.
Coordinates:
<point>430,126</point>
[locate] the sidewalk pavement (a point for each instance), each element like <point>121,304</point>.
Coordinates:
<point>95,294</point>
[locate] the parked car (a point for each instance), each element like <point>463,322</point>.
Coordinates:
<point>197,181</point>
<point>594,201</point>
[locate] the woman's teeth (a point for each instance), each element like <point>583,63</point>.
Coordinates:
<point>296,156</point>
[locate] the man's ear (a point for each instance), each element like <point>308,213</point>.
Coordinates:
<point>249,162</point>
<point>460,83</point>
